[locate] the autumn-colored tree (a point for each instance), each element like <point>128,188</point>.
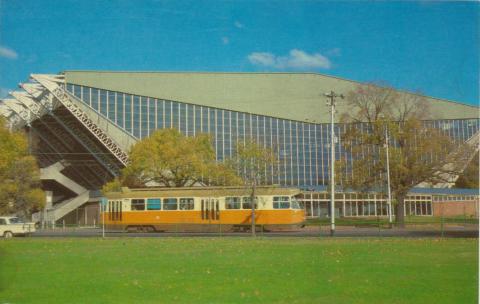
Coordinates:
<point>19,175</point>
<point>469,177</point>
<point>252,160</point>
<point>418,153</point>
<point>170,159</point>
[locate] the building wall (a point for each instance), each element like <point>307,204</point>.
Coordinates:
<point>456,208</point>
<point>86,215</point>
<point>316,204</point>
<point>302,148</point>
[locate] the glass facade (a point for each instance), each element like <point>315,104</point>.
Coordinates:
<point>362,205</point>
<point>302,148</point>
<point>316,204</point>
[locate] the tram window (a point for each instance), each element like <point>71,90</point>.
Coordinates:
<point>154,204</point>
<point>186,204</point>
<point>247,203</point>
<point>281,202</point>
<point>170,204</point>
<point>295,203</point>
<point>138,204</point>
<point>232,203</point>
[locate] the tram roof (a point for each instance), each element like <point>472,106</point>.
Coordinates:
<point>199,191</point>
<point>295,96</point>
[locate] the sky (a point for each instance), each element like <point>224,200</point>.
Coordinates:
<point>426,47</point>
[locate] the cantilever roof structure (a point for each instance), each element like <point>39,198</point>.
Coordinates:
<point>294,96</point>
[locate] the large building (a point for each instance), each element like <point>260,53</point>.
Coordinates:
<point>82,123</point>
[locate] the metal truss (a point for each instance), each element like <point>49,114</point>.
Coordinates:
<point>48,93</point>
<point>88,144</point>
<point>56,85</point>
<point>19,109</point>
<point>49,111</point>
<point>37,102</point>
<point>43,104</point>
<point>14,121</point>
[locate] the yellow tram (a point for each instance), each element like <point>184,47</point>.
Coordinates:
<point>161,209</point>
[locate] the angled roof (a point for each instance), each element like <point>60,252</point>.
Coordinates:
<point>415,190</point>
<point>446,191</point>
<point>296,96</point>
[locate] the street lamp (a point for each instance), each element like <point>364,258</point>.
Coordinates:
<point>331,102</point>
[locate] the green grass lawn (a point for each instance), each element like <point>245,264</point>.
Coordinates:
<point>238,270</point>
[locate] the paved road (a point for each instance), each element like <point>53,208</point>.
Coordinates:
<point>343,232</point>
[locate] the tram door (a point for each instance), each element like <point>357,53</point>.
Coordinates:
<point>210,210</point>
<point>115,211</point>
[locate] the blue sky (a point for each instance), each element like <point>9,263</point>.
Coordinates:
<point>428,47</point>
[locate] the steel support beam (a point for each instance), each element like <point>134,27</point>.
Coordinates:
<point>48,99</point>
<point>56,85</point>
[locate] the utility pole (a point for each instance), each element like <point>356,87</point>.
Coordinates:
<point>389,198</point>
<point>331,102</point>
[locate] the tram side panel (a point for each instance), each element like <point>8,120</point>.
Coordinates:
<point>129,213</point>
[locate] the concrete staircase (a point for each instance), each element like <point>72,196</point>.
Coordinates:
<point>52,212</point>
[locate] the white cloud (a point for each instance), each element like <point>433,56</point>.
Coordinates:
<point>225,40</point>
<point>238,25</point>
<point>296,59</point>
<point>266,59</point>
<point>8,53</point>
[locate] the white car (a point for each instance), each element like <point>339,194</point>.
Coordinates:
<point>11,226</point>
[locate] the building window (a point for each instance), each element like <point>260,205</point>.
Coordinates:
<point>86,95</point>
<point>128,113</point>
<point>103,103</point>
<point>136,116</point>
<point>144,116</point>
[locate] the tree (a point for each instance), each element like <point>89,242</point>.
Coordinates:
<point>170,159</point>
<point>418,153</point>
<point>252,161</point>
<point>469,177</point>
<point>19,175</point>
